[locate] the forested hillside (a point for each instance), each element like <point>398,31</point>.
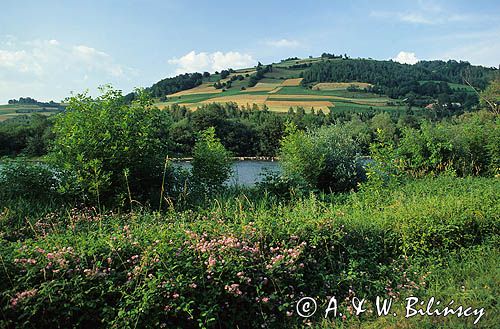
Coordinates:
<point>395,80</point>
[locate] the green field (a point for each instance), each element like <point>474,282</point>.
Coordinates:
<point>271,92</point>
<point>12,111</point>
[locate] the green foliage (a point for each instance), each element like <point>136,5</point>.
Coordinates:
<point>403,81</point>
<point>30,137</point>
<point>239,259</point>
<point>490,97</point>
<point>211,163</point>
<point>35,182</point>
<point>98,138</point>
<point>322,159</point>
<point>467,146</point>
<point>169,86</point>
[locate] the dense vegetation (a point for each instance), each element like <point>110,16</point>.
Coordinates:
<point>171,85</point>
<point>29,135</point>
<point>31,101</point>
<point>401,80</point>
<point>106,232</point>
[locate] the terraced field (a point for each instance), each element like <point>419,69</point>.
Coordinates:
<point>281,88</point>
<point>13,111</point>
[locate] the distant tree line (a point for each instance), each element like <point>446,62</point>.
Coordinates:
<point>331,56</point>
<point>32,101</point>
<point>171,85</point>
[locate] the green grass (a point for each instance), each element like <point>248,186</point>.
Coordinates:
<point>445,225</point>
<point>10,111</point>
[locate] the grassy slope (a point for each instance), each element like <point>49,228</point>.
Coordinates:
<point>16,110</point>
<point>280,72</point>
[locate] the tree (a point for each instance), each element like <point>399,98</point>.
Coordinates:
<point>112,146</point>
<point>323,159</point>
<point>490,97</point>
<point>384,123</point>
<point>211,163</point>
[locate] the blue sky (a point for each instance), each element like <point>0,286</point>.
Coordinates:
<point>50,48</point>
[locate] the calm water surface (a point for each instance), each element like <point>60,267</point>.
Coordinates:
<point>246,172</point>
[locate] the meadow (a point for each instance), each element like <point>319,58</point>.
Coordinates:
<point>17,111</point>
<point>255,257</point>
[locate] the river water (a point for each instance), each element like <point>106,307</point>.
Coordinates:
<point>246,172</point>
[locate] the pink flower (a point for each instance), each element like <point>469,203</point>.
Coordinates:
<point>234,289</point>
<point>22,295</point>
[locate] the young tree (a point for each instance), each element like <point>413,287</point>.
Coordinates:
<point>211,163</point>
<point>323,159</point>
<point>101,138</point>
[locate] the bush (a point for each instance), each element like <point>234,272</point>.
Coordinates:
<point>112,146</point>
<point>211,163</point>
<point>35,182</point>
<point>239,263</point>
<point>467,146</point>
<point>322,159</point>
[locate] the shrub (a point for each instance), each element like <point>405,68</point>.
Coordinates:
<point>99,139</point>
<point>239,263</point>
<point>323,159</point>
<point>211,163</point>
<point>468,146</point>
<point>35,181</point>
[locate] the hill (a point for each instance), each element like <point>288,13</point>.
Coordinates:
<point>21,109</point>
<point>330,82</point>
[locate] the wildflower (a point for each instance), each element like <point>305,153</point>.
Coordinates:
<point>22,295</point>
<point>234,289</point>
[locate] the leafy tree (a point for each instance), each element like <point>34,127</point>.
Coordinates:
<point>490,97</point>
<point>323,159</point>
<point>211,163</point>
<point>383,122</point>
<point>110,145</point>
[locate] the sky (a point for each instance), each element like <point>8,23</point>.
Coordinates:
<point>50,49</point>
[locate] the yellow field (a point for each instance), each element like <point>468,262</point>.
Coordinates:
<point>283,106</point>
<point>281,96</point>
<point>241,100</point>
<point>206,88</point>
<point>339,85</point>
<point>260,100</point>
<point>263,86</point>
<point>291,82</point>
<point>275,90</point>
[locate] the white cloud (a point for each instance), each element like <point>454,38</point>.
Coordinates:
<point>406,58</point>
<point>49,69</point>
<point>216,61</point>
<point>283,43</point>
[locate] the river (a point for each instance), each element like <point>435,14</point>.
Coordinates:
<point>246,172</point>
